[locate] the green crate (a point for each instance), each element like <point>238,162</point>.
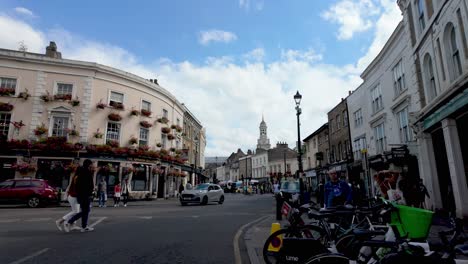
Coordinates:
<point>411,222</point>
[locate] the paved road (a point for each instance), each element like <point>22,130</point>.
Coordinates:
<point>143,232</point>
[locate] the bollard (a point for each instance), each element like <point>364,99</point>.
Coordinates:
<point>275,244</point>
<point>278,207</point>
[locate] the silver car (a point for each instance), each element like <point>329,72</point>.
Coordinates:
<point>202,194</point>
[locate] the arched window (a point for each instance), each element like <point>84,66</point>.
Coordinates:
<point>452,51</point>
<point>431,88</point>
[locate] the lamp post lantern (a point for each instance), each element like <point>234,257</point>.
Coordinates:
<point>297,99</point>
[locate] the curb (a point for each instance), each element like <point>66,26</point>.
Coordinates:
<point>241,232</point>
<point>254,248</point>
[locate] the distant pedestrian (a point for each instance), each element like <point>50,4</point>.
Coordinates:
<point>117,194</point>
<point>102,192</point>
<point>75,206</point>
<point>84,192</point>
<point>422,193</point>
<point>337,192</point>
<point>321,193</point>
<point>181,188</point>
<point>276,188</point>
<point>125,192</point>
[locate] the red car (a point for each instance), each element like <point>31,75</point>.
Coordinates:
<point>33,192</point>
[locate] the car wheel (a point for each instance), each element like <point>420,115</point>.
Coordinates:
<point>34,202</point>
<point>221,199</point>
<point>205,200</point>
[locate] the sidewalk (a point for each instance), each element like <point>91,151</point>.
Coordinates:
<point>256,236</point>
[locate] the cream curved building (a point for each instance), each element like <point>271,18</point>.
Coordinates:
<point>91,105</point>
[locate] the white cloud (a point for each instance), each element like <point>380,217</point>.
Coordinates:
<point>24,11</point>
<point>255,55</point>
<point>227,96</point>
<point>214,35</point>
<point>246,4</point>
<point>352,16</point>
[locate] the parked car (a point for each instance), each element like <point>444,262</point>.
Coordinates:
<point>202,194</point>
<point>33,192</point>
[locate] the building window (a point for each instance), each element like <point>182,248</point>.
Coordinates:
<point>8,83</point>
<point>422,22</point>
<point>178,122</point>
<point>165,113</point>
<point>358,118</point>
<point>345,118</point>
<point>457,68</point>
<point>4,124</point>
<point>462,32</point>
<point>59,126</point>
<point>338,122</point>
<point>314,142</point>
<point>441,62</point>
<point>398,78</point>
<point>379,134</point>
<point>430,79</point>
<point>144,135</point>
<point>340,152</point>
<point>332,126</point>
<point>376,95</point>
<point>113,132</point>
<point>405,131</point>
<point>145,105</point>
<point>116,99</point>
<point>64,89</point>
<point>164,141</point>
<point>359,146</point>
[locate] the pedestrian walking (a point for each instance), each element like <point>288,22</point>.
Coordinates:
<point>337,192</point>
<point>181,188</point>
<point>75,206</point>
<point>125,192</point>
<point>321,193</point>
<point>84,192</point>
<point>117,194</point>
<point>102,192</point>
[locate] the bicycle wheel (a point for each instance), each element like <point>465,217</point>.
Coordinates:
<point>348,246</point>
<point>274,254</point>
<point>328,258</point>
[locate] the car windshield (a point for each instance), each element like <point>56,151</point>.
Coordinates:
<point>290,186</point>
<point>202,187</point>
<point>5,184</point>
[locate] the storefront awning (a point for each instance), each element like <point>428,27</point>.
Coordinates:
<point>446,110</point>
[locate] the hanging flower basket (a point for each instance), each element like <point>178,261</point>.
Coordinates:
<point>145,124</point>
<point>178,151</point>
<point>7,107</point>
<point>163,120</point>
<point>101,105</point>
<point>145,112</point>
<point>118,106</point>
<point>156,170</point>
<point>63,97</point>
<point>40,130</point>
<point>134,112</point>
<point>128,170</point>
<point>173,126</point>
<point>75,102</point>
<point>7,91</point>
<point>179,129</point>
<point>158,145</point>
<point>114,117</point>
<point>23,168</point>
<point>185,150</point>
<point>24,95</point>
<point>73,132</point>
<point>18,125</point>
<point>98,134</point>
<point>172,149</point>
<point>165,130</point>
<point>170,137</point>
<point>143,148</point>
<point>133,140</point>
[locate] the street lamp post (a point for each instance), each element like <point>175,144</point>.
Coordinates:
<point>297,99</point>
<point>196,154</point>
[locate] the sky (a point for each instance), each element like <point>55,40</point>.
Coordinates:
<point>229,61</point>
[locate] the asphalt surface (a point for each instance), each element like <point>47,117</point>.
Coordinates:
<point>143,232</point>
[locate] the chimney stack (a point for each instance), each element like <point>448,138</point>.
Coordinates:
<point>51,51</point>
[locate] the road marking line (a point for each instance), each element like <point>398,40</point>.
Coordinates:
<point>98,221</point>
<point>145,217</point>
<point>38,219</point>
<point>237,255</point>
<point>30,256</point>
<point>9,220</point>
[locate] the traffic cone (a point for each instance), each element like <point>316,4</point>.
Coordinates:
<point>276,242</point>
